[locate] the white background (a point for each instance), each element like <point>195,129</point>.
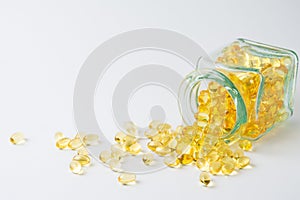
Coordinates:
<point>44,43</point>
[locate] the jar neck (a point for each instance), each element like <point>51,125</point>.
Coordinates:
<point>189,91</point>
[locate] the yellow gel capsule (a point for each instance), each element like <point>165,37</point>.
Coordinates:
<point>246,145</point>
<point>201,163</point>
<point>105,156</point>
<point>134,149</point>
<point>242,162</point>
<point>212,156</point>
<point>215,167</point>
<point>63,143</point>
<point>164,127</point>
<point>82,159</point>
<point>186,159</point>
<point>17,138</point>
<point>91,139</point>
<point>204,178</point>
<point>58,136</point>
<point>127,179</point>
<point>131,128</point>
<point>238,153</point>
<point>82,151</point>
<point>154,124</point>
<point>228,168</point>
<point>75,144</point>
<point>172,161</point>
<point>162,151</point>
<point>117,152</point>
<point>148,158</point>
<point>128,141</point>
<point>120,137</point>
<point>227,160</point>
<point>151,133</point>
<point>75,167</point>
<point>228,153</point>
<point>152,145</point>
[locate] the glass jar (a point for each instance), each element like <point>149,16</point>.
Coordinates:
<point>246,91</point>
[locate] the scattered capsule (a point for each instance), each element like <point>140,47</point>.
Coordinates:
<point>228,168</point>
<point>228,153</point>
<point>172,161</point>
<point>82,159</point>
<point>58,136</point>
<point>127,179</point>
<point>63,143</point>
<point>152,145</point>
<point>164,127</point>
<point>117,152</point>
<point>186,159</point>
<point>75,144</point>
<point>75,167</point>
<point>238,153</point>
<point>215,167</point>
<point>148,158</point>
<point>17,138</point>
<point>204,178</point>
<point>154,124</point>
<point>120,137</point>
<point>242,162</point>
<point>105,156</point>
<point>134,149</point>
<point>128,141</point>
<point>163,150</point>
<point>151,133</point>
<point>91,139</point>
<point>212,156</point>
<point>82,151</point>
<point>246,145</point>
<point>201,163</point>
<point>131,128</point>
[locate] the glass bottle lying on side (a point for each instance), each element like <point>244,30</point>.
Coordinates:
<point>243,94</point>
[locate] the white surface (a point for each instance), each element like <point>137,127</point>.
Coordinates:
<point>44,43</point>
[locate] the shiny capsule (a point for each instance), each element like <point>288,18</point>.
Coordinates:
<point>105,156</point>
<point>17,138</point>
<point>238,153</point>
<point>171,161</point>
<point>91,139</point>
<point>186,159</point>
<point>201,163</point>
<point>242,162</point>
<point>134,149</point>
<point>75,143</point>
<point>120,137</point>
<point>82,151</point>
<point>63,143</point>
<point>204,178</point>
<point>127,179</point>
<point>148,158</point>
<point>82,159</point>
<point>215,167</point>
<point>228,168</point>
<point>75,167</point>
<point>246,145</point>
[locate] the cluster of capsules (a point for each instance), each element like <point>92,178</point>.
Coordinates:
<point>78,144</point>
<point>199,145</point>
<point>261,78</point>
